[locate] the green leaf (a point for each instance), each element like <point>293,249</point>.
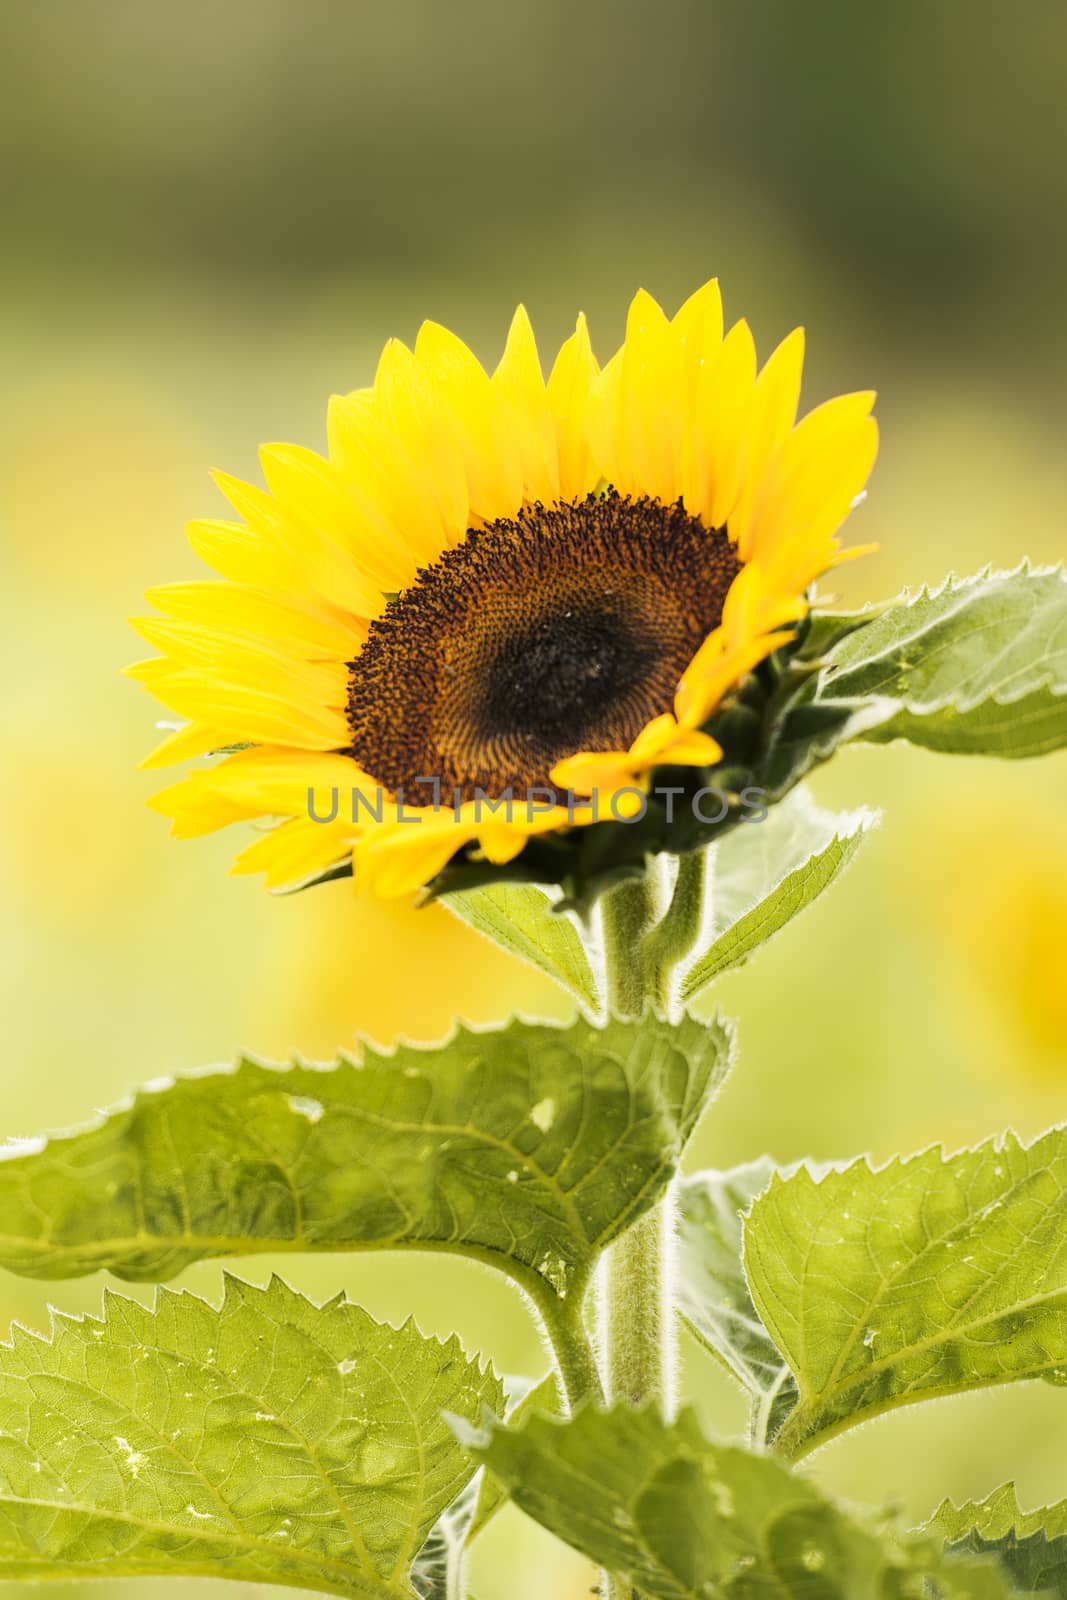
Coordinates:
<point>976,667</point>
<point>928,1276</point>
<point>269,1441</point>
<point>684,1519</point>
<point>440,1561</point>
<point>1031,1546</point>
<point>820,631</point>
<point>439,1566</point>
<point>713,1294</point>
<point>529,1147</point>
<point>523,1398</point>
<point>519,917</point>
<point>762,875</point>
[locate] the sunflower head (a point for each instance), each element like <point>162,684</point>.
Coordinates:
<point>510,627</point>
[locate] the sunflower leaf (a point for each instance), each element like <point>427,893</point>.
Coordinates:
<point>439,1564</point>
<point>267,1441</point>
<point>713,1294</point>
<point>440,1561</point>
<point>684,1519</point>
<point>976,667</point>
<point>820,631</point>
<point>762,876</point>
<point>492,1495</point>
<point>1031,1546</point>
<point>529,1147</point>
<point>925,1277</point>
<point>520,918</point>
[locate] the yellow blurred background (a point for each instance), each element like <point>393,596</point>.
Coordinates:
<point>214,215</point>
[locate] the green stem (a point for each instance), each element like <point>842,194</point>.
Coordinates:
<point>638,1324</point>
<point>576,1367</point>
<point>638,1331</point>
<point>627,913</point>
<point>674,937</point>
<point>643,944</point>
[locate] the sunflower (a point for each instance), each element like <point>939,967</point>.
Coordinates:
<point>499,604</point>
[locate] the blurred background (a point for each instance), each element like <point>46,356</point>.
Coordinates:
<point>214,215</point>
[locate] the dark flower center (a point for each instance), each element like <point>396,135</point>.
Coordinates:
<point>564,629</point>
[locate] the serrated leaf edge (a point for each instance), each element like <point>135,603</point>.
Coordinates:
<point>238,1289</point>
<point>952,585</point>
<point>366,1050</point>
<point>820,1171</point>
<point>1003,1503</point>
<point>849,828</point>
<point>816,1174</point>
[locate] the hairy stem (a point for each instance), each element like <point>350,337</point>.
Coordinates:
<point>572,1351</point>
<point>643,945</point>
<point>628,913</point>
<point>639,1324</point>
<point>674,937</point>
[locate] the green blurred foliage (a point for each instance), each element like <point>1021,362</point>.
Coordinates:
<point>213,216</point>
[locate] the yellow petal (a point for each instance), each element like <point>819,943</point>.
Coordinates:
<point>716,429</point>
<point>803,470</point>
<point>196,644</point>
<point>660,743</point>
<point>281,712</point>
<point>295,851</point>
<point>589,772</point>
<point>698,326</point>
<point>490,451</point>
<point>809,498</point>
<point>269,782</point>
<point>313,631</point>
<point>716,669</point>
<point>402,525</point>
<point>519,381</point>
<point>694,749</point>
<point>774,409</point>
<point>244,555</point>
<point>506,840</point>
<point>304,558</point>
<point>653,737</point>
<point>196,809</point>
<point>650,412</point>
<point>417,415</point>
<point>278,780</point>
<point>183,744</point>
<point>570,387</point>
<point>501,844</point>
<point>399,859</point>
